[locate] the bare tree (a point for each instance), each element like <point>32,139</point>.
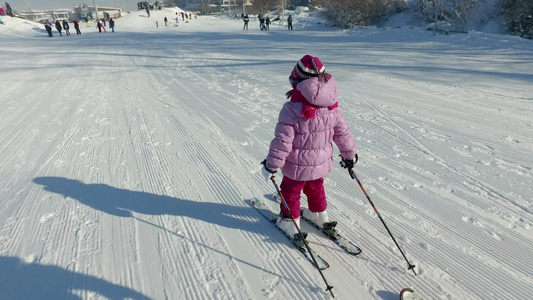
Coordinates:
<point>455,12</point>
<point>347,13</point>
<point>264,6</point>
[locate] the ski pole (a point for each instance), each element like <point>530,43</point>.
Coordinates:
<point>328,287</point>
<point>410,266</point>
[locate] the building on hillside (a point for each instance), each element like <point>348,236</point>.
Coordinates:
<point>36,15</point>
<point>81,12</point>
<point>86,12</point>
<point>215,6</point>
<point>157,5</point>
<point>229,6</point>
<point>43,15</point>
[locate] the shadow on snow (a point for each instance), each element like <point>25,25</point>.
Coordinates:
<point>123,203</point>
<point>20,280</point>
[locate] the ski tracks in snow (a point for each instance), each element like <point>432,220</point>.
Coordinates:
<point>196,129</point>
<point>129,179</point>
<point>415,200</point>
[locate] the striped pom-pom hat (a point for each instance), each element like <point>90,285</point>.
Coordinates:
<point>307,67</point>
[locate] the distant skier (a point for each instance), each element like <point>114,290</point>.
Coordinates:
<point>166,21</point>
<point>9,11</point>
<point>58,27</point>
<point>245,20</point>
<point>289,23</point>
<point>77,27</point>
<point>66,27</point>
<point>48,29</point>
<point>112,24</point>
<point>261,22</point>
<point>99,26</point>
<point>267,23</point>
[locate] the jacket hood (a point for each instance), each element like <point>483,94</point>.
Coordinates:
<point>319,93</point>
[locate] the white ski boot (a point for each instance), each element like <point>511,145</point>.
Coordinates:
<point>287,225</point>
<point>318,217</point>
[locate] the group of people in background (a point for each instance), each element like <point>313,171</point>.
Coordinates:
<point>7,11</point>
<point>264,22</point>
<point>65,26</point>
<point>60,26</point>
<point>184,17</point>
<point>100,24</point>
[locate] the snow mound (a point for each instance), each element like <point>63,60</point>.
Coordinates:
<point>17,26</point>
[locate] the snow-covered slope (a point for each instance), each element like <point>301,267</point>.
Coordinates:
<point>127,160</point>
<point>17,26</point>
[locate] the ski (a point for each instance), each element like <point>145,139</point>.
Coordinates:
<point>266,212</point>
<point>334,235</point>
<point>329,231</point>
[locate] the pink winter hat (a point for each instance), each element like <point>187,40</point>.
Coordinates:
<point>307,67</point>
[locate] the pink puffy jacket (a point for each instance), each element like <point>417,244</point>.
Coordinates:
<point>302,146</point>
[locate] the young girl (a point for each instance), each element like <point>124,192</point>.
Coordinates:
<point>302,145</point>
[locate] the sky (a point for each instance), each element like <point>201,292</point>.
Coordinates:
<point>128,161</point>
<point>56,4</point>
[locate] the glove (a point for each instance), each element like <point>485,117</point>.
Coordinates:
<point>266,172</point>
<point>348,164</point>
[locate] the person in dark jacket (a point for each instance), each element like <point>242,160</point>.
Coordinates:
<point>245,20</point>
<point>289,23</point>
<point>58,27</point>
<point>48,29</point>
<point>77,27</point>
<point>261,22</point>
<point>112,24</point>
<point>9,11</point>
<point>66,27</point>
<point>267,23</point>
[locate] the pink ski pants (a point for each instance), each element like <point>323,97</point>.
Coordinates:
<point>292,190</point>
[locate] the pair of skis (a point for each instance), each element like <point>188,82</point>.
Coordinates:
<point>328,230</point>
<point>266,212</point>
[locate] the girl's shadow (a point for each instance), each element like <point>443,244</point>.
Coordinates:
<point>121,203</point>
